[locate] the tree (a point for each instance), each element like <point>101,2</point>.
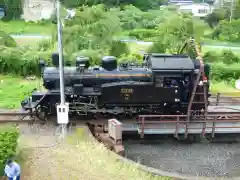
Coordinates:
<point>91,28</point>
<point>175,31</point>
<point>216,16</point>
<point>141,4</point>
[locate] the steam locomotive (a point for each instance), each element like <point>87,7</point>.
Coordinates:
<point>162,84</point>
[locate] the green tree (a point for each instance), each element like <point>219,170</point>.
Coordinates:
<point>175,31</point>
<point>91,28</point>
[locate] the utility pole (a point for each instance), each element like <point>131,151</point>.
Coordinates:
<point>62,108</point>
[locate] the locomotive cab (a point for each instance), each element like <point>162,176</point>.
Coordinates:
<point>169,72</point>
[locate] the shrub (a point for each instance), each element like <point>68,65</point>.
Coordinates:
<point>228,57</point>
<point>8,140</point>
<point>94,55</point>
<point>142,34</point>
<point>227,31</point>
<point>45,45</point>
<point>21,62</point>
<point>7,40</point>
<point>215,17</point>
<point>13,8</point>
<point>118,48</point>
<point>210,57</point>
<point>135,58</point>
<point>221,71</point>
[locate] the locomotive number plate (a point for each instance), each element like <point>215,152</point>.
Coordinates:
<point>126,91</point>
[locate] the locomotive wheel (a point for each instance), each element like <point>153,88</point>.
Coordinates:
<point>42,112</point>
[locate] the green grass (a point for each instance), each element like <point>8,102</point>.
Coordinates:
<point>224,88</point>
<point>13,90</point>
<point>31,42</point>
<point>22,27</point>
<point>217,42</point>
<point>220,49</point>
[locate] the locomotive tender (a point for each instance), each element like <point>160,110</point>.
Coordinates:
<point>161,85</point>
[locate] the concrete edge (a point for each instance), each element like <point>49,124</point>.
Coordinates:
<point>155,171</point>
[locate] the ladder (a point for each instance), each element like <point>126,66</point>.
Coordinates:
<point>199,83</point>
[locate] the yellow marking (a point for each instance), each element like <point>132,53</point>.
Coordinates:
<point>126,91</point>
<point>123,75</point>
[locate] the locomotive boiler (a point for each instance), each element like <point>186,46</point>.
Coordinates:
<point>162,84</point>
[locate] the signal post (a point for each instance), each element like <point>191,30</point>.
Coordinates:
<point>63,107</point>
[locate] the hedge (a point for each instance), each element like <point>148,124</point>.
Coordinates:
<point>21,62</point>
<point>221,71</point>
<point>226,56</point>
<point>24,62</point>
<point>142,34</point>
<point>7,40</point>
<point>9,135</point>
<point>13,8</point>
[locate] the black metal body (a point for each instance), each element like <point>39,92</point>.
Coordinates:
<point>163,85</point>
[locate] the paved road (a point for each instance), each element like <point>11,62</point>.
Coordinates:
<point>31,36</point>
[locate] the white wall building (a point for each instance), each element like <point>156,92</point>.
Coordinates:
<point>197,9</point>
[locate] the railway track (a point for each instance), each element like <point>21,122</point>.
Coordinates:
<point>223,118</point>
<point>100,132</point>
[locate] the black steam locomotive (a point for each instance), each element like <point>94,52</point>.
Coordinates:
<point>162,84</point>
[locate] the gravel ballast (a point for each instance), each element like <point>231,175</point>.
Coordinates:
<point>199,159</point>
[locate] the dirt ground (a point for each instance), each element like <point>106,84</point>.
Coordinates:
<point>74,158</point>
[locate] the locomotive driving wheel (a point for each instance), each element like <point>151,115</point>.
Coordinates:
<point>42,112</point>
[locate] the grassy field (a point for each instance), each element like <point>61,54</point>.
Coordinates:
<point>22,27</point>
<point>13,90</point>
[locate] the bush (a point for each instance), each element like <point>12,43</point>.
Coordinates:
<point>7,40</point>
<point>45,45</point>
<point>118,48</point>
<point>13,9</point>
<point>142,34</point>
<point>227,31</point>
<point>134,58</point>
<point>8,140</point>
<point>94,55</point>
<point>226,57</point>
<point>221,71</point>
<point>215,17</point>
<point>21,62</point>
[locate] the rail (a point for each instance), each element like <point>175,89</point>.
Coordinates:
<point>203,119</point>
<point>17,117</point>
<point>181,120</point>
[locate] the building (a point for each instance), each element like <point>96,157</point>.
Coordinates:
<point>197,9</point>
<point>179,1</point>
